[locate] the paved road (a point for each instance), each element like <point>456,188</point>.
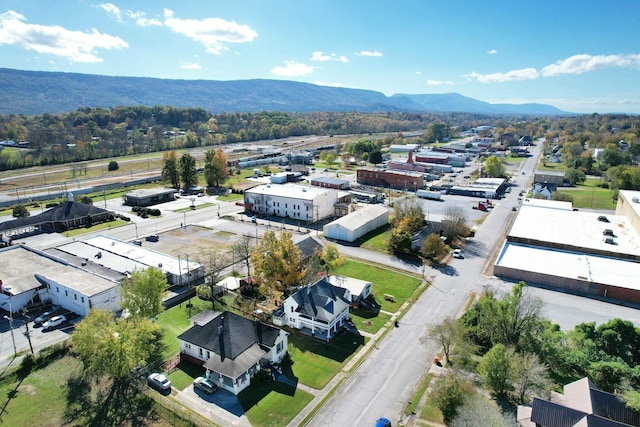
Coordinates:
<point>384,383</point>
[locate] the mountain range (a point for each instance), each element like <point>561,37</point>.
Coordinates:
<point>38,92</point>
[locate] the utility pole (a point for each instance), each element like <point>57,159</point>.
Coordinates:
<point>27,333</point>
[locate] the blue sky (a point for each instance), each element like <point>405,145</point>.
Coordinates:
<point>581,56</point>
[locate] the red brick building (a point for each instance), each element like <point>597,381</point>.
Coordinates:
<point>390,179</point>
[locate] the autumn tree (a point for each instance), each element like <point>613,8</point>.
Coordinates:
<point>143,292</point>
<point>494,167</point>
<point>330,257</point>
<point>170,169</point>
<point>216,170</point>
<point>433,247</point>
<point>188,172</point>
<point>528,377</point>
<point>276,262</point>
<point>115,348</point>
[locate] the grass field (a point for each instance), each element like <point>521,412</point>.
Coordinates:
<point>316,362</point>
<point>273,404</point>
<point>590,196</point>
<point>56,395</point>
<point>376,240</point>
<point>97,227</point>
<point>384,281</point>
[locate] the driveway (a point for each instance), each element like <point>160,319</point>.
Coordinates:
<point>221,407</point>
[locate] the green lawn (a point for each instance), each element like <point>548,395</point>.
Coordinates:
<point>230,197</point>
<point>175,321</point>
<point>384,281</point>
<point>273,403</point>
<point>196,207</point>
<point>589,196</point>
<point>368,321</point>
<point>552,166</point>
<point>376,240</point>
<point>57,395</point>
<point>101,226</point>
<point>315,362</point>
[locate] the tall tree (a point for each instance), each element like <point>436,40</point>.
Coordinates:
<point>433,247</point>
<point>216,170</point>
<point>494,167</point>
<point>529,378</point>
<point>449,333</point>
<point>170,169</point>
<point>495,368</point>
<point>142,293</point>
<point>214,263</point>
<point>242,252</point>
<point>114,348</point>
<point>276,261</point>
<point>188,172</point>
<point>450,393</point>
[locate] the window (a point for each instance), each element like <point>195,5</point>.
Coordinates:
<point>200,351</point>
<point>279,347</point>
<point>208,354</point>
<point>66,293</point>
<point>57,289</point>
<point>75,297</point>
<point>187,345</point>
<point>82,300</point>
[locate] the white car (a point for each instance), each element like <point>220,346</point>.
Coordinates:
<point>457,253</point>
<point>159,382</point>
<point>54,322</point>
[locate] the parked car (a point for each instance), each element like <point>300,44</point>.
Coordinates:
<point>137,242</point>
<point>159,382</point>
<point>205,385</point>
<point>383,422</point>
<point>54,322</point>
<point>38,321</point>
<point>457,253</point>
<point>152,238</point>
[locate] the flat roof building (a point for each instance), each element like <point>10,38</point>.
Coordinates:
<point>31,277</point>
<point>149,196</point>
<point>586,253</point>
<point>301,202</point>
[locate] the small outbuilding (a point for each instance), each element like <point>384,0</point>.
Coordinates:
<point>356,224</point>
<point>149,196</point>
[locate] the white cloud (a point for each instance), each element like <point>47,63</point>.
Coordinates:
<point>576,64</point>
<point>431,82</point>
<point>368,53</point>
<point>492,52</point>
<point>76,46</point>
<point>292,69</point>
<point>112,9</point>
<point>579,64</point>
<point>213,33</point>
<point>191,66</point>
<point>319,56</point>
<point>138,17</point>
<point>523,74</point>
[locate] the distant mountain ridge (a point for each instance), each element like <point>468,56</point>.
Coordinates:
<point>38,92</point>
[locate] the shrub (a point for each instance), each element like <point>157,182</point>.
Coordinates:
<point>113,166</point>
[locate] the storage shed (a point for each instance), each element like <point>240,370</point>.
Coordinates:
<point>356,224</point>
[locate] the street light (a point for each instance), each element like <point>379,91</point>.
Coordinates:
<point>10,319</point>
<point>136,225</point>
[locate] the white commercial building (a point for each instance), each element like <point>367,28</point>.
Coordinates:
<point>301,202</point>
<point>31,277</point>
<point>356,224</point>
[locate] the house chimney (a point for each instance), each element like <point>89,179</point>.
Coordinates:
<point>410,159</point>
<point>259,331</point>
<point>221,340</point>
